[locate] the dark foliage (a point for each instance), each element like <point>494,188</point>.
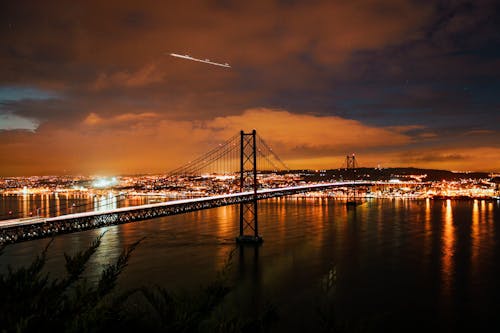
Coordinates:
<point>33,302</point>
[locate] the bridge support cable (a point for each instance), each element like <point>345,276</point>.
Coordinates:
<point>248,182</point>
<point>274,162</point>
<point>221,158</point>
<point>224,159</point>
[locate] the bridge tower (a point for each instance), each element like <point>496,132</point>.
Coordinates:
<point>350,162</point>
<point>248,182</point>
<point>351,165</point>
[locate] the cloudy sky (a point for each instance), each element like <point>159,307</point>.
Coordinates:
<point>87,87</point>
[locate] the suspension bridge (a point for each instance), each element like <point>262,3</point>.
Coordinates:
<point>245,154</point>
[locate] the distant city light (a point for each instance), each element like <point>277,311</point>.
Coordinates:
<point>104,182</point>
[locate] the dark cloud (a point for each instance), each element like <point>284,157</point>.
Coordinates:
<point>429,67</point>
<point>439,158</point>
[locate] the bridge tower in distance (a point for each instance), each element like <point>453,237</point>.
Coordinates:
<point>350,165</point>
<point>248,182</point>
<point>350,162</point>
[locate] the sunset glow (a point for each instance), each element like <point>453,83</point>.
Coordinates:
<point>90,88</point>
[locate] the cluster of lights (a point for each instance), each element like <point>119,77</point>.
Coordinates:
<point>104,182</point>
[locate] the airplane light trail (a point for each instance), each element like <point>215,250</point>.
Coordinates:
<point>206,61</point>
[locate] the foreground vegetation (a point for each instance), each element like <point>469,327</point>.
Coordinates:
<point>32,301</point>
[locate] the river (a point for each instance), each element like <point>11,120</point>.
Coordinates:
<point>397,265</point>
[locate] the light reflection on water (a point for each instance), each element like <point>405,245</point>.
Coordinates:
<point>54,204</point>
<point>432,263</point>
<point>448,248</point>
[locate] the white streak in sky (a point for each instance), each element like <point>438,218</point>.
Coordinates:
<point>206,61</point>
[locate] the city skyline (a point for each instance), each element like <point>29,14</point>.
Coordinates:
<point>87,88</point>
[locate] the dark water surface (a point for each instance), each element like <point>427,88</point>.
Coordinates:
<point>397,265</point>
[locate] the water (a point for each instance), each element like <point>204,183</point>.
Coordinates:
<point>54,204</point>
<point>399,265</point>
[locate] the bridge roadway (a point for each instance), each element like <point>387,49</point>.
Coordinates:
<point>18,230</point>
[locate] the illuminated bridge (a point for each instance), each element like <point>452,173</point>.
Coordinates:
<point>241,155</point>
<point>17,230</point>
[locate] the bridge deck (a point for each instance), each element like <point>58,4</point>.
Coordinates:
<point>16,230</point>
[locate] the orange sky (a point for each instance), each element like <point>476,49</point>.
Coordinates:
<point>87,88</point>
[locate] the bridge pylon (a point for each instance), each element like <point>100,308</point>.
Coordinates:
<point>351,162</point>
<point>248,182</point>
